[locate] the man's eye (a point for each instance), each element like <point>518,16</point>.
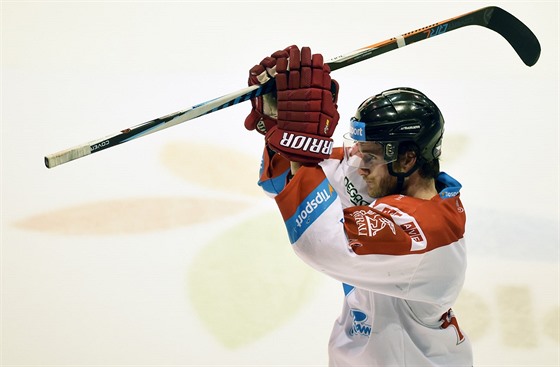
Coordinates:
<point>369,158</point>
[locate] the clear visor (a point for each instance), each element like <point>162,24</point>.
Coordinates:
<point>368,154</point>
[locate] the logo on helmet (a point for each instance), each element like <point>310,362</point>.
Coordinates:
<point>357,130</point>
<point>410,127</point>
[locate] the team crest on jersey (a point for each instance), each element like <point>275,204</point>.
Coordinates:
<point>369,222</point>
<point>359,325</point>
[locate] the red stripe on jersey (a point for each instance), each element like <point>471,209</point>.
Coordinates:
<point>276,165</point>
<point>337,153</point>
<point>401,225</point>
<point>273,166</point>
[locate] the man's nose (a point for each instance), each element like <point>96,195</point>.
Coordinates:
<point>363,171</point>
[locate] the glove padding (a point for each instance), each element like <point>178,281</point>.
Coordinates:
<point>264,113</point>
<point>307,111</point>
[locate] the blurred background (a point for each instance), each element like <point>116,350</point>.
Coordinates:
<point>163,251</point>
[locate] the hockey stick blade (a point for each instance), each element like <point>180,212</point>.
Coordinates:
<point>519,36</point>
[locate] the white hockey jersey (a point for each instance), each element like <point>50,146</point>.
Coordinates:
<point>401,260</point>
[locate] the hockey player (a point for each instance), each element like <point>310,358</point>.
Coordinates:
<point>376,214</point>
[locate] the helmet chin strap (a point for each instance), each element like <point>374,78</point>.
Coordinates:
<point>402,175</point>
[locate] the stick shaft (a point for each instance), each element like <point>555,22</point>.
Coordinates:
<point>155,125</point>
<point>514,31</point>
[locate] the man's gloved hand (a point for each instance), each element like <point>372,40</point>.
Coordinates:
<point>307,111</point>
<point>264,113</point>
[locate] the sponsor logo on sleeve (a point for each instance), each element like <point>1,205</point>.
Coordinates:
<point>321,197</point>
<point>310,209</point>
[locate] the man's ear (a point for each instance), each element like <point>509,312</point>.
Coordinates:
<point>408,160</point>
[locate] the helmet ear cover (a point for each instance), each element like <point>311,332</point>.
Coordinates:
<point>426,168</point>
<point>404,149</point>
<point>419,164</point>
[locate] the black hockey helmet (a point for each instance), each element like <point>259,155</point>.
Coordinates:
<point>399,115</point>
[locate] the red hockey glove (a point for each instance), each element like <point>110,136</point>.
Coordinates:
<point>307,111</point>
<point>264,113</point>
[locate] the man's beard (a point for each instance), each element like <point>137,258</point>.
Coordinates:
<point>387,186</point>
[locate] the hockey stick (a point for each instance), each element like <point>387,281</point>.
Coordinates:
<point>519,36</point>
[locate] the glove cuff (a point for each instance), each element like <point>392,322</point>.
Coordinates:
<point>259,121</point>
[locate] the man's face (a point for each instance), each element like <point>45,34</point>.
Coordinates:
<point>374,170</point>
